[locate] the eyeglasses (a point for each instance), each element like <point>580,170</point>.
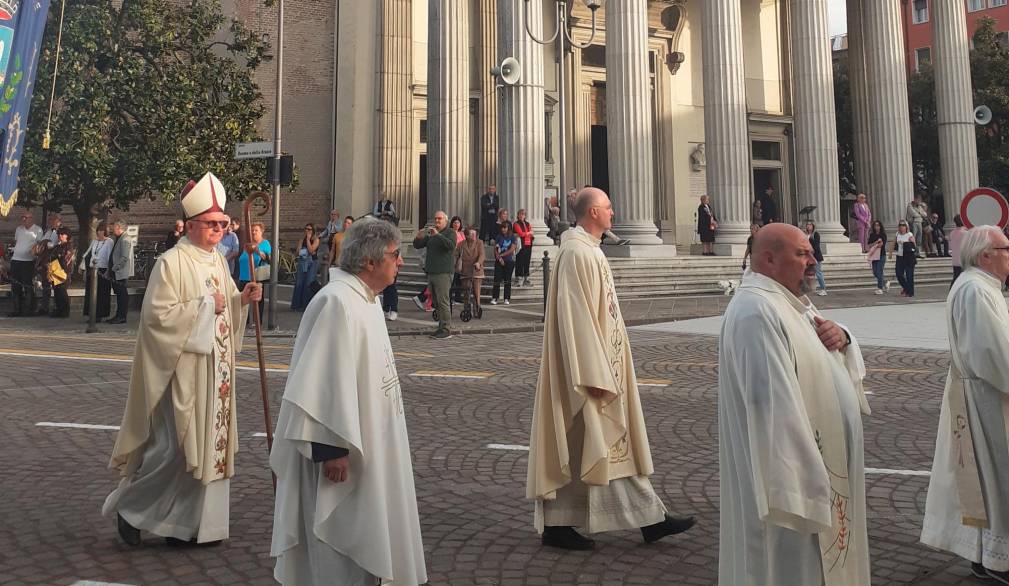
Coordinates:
<point>394,253</point>
<point>1000,247</point>
<point>211,224</point>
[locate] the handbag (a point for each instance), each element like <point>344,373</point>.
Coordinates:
<point>57,275</point>
<point>263,272</point>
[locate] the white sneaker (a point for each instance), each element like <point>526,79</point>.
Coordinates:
<point>387,314</point>
<point>508,302</point>
<point>886,286</point>
<point>493,301</point>
<point>821,292</point>
<point>878,292</point>
<point>392,316</point>
<point>418,302</point>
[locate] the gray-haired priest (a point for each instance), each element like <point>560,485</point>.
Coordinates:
<point>967,509</point>
<point>177,443</point>
<point>346,510</point>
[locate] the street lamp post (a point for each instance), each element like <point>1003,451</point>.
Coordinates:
<point>562,35</point>
<point>275,255</point>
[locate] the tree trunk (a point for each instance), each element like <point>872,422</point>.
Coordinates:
<point>86,211</point>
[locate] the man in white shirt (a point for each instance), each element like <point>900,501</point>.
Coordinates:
<point>22,270</point>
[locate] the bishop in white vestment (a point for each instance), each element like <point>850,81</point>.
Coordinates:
<point>967,508</point>
<point>589,458</point>
<point>790,399</point>
<point>346,509</point>
<point>177,442</point>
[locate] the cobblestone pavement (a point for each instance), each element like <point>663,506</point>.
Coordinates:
<point>477,527</point>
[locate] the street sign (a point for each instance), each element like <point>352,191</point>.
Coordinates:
<point>984,207</point>
<point>253,150</point>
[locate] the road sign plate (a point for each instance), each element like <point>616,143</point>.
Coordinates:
<point>984,207</point>
<point>253,150</point>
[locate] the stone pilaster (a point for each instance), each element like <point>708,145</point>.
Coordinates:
<point>394,158</point>
<point>954,104</point>
<point>815,126</point>
<point>448,121</point>
<point>487,152</point>
<point>725,125</point>
<point>889,121</point>
<point>521,135</point>
<point>580,99</point>
<point>862,137</point>
<point>629,121</point>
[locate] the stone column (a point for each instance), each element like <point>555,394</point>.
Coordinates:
<point>629,121</point>
<point>889,121</point>
<point>448,107</point>
<point>580,99</point>
<point>521,114</point>
<point>394,158</point>
<point>815,126</point>
<point>487,149</point>
<point>725,126</point>
<point>954,104</point>
<point>864,181</point>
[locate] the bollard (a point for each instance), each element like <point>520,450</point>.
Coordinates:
<point>546,282</point>
<point>92,300</point>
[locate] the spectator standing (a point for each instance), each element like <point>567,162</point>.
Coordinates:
<point>490,202</point>
<point>955,239</point>
<point>262,249</point>
<point>97,257</point>
<point>863,219</point>
<point>905,245</point>
<point>121,269</point>
<point>177,232</point>
<point>61,261</point>
<point>384,209</point>
<point>307,251</point>
<point>707,223</point>
<point>876,243</point>
<point>236,229</point>
<point>939,240</point>
<point>757,213</point>
<point>754,228</point>
<point>524,232</point>
<point>439,242</point>
<point>504,265</point>
<point>502,217</point>
<point>336,246</point>
<point>768,206</point>
<point>229,246</point>
<point>22,271</point>
<point>814,241</point>
<point>470,260</point>
<point>915,217</point>
<point>333,228</point>
<point>49,241</point>
<point>456,224</point>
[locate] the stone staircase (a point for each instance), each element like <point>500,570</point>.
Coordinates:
<point>642,278</point>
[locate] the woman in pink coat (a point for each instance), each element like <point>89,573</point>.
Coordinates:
<point>863,219</point>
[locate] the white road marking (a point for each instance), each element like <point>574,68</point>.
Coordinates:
<point>479,376</point>
<point>77,425</point>
<point>259,434</point>
<point>93,583</point>
<point>511,447</point>
<point>653,385</point>
<point>898,472</point>
<point>100,358</point>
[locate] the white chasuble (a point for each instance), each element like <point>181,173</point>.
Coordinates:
<point>792,477</point>
<point>967,508</point>
<point>585,344</point>
<point>173,446</point>
<point>343,391</point>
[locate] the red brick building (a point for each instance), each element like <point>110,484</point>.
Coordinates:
<point>918,25</point>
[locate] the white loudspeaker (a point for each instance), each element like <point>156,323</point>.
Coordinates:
<point>982,115</point>
<point>509,72</point>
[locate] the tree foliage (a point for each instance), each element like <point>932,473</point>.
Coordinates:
<point>925,136</point>
<point>845,128</point>
<point>989,65</point>
<point>149,93</point>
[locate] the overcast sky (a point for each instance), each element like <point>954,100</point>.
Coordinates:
<point>837,20</point>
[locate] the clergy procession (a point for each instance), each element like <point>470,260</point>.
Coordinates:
<point>791,403</point>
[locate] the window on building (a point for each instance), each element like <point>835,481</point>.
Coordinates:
<point>975,5</point>
<point>423,132</point>
<point>922,56</point>
<point>920,11</point>
<point>997,3</point>
<point>766,150</point>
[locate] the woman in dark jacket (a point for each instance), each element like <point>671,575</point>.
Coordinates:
<point>814,241</point>
<point>707,223</point>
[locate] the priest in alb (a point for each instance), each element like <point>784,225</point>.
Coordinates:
<point>346,509</point>
<point>967,508</point>
<point>177,442</point>
<point>790,405</point>
<point>589,459</point>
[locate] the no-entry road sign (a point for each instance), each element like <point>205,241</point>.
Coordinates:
<point>984,207</point>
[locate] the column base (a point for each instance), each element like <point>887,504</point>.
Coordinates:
<point>638,232</point>
<point>640,251</point>
<point>841,248</point>
<point>720,249</point>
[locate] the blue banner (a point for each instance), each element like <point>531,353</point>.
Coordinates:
<point>22,23</point>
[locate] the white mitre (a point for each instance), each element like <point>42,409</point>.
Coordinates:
<point>205,195</point>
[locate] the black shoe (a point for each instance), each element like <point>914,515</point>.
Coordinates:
<point>129,534</point>
<point>670,526</point>
<point>441,335</point>
<point>14,313</point>
<point>566,538</point>
<point>977,570</point>
<point>116,320</point>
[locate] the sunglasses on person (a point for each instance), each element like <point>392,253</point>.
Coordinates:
<point>211,224</point>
